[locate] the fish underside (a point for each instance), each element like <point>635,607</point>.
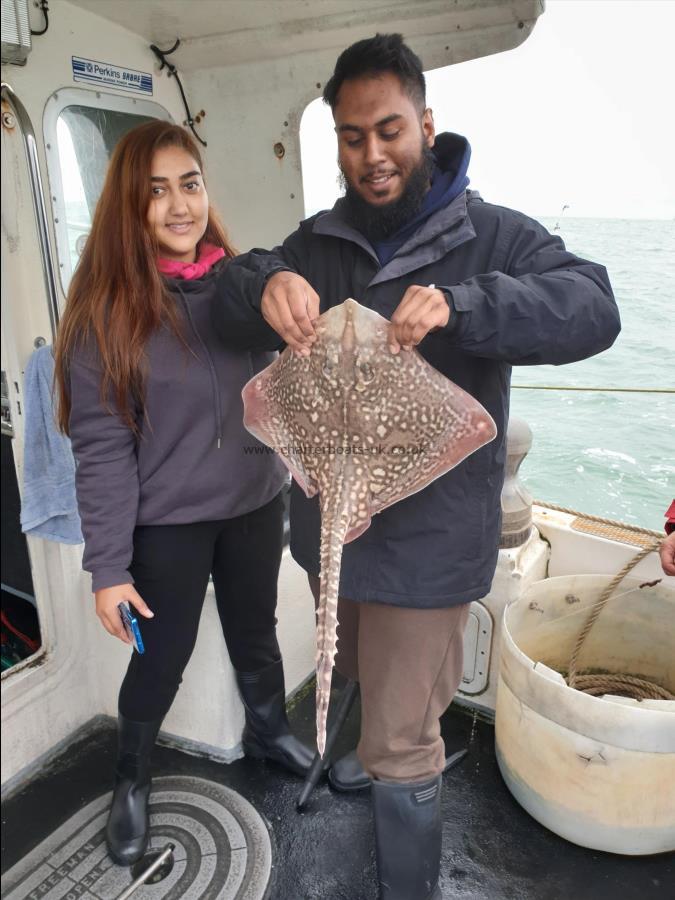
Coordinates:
<point>362,428</point>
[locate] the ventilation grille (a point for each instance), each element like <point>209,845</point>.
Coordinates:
<point>16,42</point>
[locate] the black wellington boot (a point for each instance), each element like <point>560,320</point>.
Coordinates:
<point>126,831</point>
<point>408,839</point>
<point>267,734</point>
<point>347,774</point>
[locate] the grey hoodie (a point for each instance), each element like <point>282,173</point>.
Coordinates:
<point>194,460</point>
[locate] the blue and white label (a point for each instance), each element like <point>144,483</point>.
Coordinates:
<point>94,72</point>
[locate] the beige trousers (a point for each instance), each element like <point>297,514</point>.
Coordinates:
<point>409,665</point>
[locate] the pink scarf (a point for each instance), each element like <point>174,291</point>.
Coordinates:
<point>174,268</point>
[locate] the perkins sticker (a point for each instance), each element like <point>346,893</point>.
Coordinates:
<point>94,72</point>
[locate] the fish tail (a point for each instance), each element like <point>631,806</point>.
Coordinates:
<point>334,525</point>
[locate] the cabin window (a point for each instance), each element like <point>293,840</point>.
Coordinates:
<point>81,130</point>
<point>320,173</point>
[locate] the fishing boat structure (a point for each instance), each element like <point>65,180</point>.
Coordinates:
<point>599,771</point>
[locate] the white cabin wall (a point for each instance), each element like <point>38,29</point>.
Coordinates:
<point>250,108</point>
<point>74,31</point>
<point>45,702</point>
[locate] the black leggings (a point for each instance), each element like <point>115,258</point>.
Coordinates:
<point>171,568</point>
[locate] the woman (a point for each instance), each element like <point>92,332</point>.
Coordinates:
<point>167,495</point>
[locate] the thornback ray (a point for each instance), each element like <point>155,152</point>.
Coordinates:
<point>363,428</point>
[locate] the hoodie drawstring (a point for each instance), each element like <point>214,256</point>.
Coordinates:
<point>212,369</point>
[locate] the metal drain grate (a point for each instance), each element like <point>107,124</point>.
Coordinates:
<point>223,850</point>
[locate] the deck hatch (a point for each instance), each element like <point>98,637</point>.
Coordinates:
<point>223,849</point>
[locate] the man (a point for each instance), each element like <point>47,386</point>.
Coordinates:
<point>477,288</point>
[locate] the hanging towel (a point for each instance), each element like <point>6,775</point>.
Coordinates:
<point>48,504</point>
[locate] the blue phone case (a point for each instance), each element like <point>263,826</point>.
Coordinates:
<point>130,623</point>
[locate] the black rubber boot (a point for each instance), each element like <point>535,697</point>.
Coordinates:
<point>267,734</point>
<point>408,839</point>
<point>126,831</point>
<point>347,774</point>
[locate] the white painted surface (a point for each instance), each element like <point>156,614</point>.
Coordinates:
<point>577,552</point>
<point>517,569</point>
<point>217,33</point>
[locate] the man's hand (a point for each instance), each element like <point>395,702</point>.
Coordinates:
<point>423,309</point>
<point>107,601</point>
<point>289,305</point>
<point>668,554</point>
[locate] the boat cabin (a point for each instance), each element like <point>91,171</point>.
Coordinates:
<point>76,75</point>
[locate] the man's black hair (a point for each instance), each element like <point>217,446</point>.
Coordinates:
<point>371,57</point>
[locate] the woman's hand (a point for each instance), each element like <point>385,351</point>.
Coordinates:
<point>107,601</point>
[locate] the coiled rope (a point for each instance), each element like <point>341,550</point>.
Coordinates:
<point>615,683</point>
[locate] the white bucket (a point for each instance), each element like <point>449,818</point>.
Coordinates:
<point>598,771</point>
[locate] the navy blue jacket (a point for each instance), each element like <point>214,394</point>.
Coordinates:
<point>517,297</point>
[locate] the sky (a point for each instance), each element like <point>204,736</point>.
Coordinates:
<point>581,114</point>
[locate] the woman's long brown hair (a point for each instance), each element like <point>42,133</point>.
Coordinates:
<point>117,297</point>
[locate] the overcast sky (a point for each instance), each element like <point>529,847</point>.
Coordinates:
<point>580,114</point>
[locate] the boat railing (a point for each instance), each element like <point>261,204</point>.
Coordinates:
<point>608,390</point>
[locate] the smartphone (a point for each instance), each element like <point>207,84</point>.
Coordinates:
<point>130,623</point>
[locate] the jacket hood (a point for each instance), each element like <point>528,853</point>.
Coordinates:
<point>449,179</point>
<point>453,154</point>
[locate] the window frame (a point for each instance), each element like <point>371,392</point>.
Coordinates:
<point>56,103</point>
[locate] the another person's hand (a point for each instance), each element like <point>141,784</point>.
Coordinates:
<point>422,309</point>
<point>107,601</point>
<point>290,305</point>
<point>668,554</point>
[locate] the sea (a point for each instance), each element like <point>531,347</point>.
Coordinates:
<point>600,451</point>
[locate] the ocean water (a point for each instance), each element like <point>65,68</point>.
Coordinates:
<point>611,454</point>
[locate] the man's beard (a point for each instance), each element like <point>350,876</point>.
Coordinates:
<point>379,222</point>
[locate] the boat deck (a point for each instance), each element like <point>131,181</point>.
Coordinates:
<point>493,850</point>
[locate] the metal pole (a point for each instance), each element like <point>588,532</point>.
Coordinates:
<point>346,701</point>
<point>161,859</point>
<point>37,195</point>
